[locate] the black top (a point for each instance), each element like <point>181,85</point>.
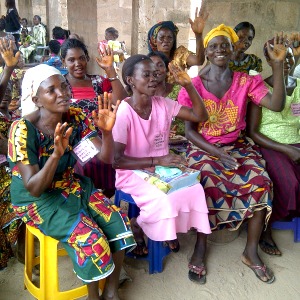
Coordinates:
<point>12,23</point>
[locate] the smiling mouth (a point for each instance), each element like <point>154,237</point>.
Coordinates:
<point>68,101</point>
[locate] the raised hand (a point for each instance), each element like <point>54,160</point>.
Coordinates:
<point>180,76</point>
<point>278,52</point>
<point>200,18</point>
<point>106,59</point>
<point>61,139</point>
<point>294,40</point>
<point>105,118</point>
<point>7,53</point>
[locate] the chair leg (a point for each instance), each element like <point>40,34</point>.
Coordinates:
<point>296,230</point>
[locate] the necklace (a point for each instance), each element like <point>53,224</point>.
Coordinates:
<point>79,79</point>
<point>46,126</point>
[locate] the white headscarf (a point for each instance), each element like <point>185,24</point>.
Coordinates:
<point>30,84</point>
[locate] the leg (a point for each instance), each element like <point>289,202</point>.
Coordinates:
<point>267,243</point>
<point>93,290</point>
<point>112,281</point>
<point>141,249</point>
<point>197,268</point>
<point>250,256</point>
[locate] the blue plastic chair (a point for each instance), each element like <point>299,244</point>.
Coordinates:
<point>292,225</point>
<point>157,251</point>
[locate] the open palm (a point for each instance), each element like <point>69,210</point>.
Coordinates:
<point>7,53</point>
<point>180,76</point>
<point>200,18</point>
<point>278,53</point>
<point>106,59</point>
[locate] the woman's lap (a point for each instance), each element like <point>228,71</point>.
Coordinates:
<point>233,195</point>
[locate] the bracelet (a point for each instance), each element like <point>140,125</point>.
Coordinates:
<point>151,162</point>
<point>113,78</point>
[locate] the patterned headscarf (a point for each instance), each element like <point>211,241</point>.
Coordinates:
<point>30,84</point>
<point>152,34</point>
<point>221,30</point>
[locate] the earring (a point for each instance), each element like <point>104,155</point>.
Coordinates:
<point>133,86</point>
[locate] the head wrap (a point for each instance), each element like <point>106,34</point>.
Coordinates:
<point>30,84</point>
<point>152,34</point>
<point>221,30</point>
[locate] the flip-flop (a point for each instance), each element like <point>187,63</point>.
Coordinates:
<point>142,245</point>
<point>176,248</point>
<point>264,245</point>
<point>262,268</point>
<point>195,274</point>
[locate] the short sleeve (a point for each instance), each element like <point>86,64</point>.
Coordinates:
<point>183,96</point>
<point>257,89</point>
<point>22,143</point>
<point>120,129</point>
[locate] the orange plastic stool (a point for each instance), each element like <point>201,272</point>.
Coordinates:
<point>47,260</point>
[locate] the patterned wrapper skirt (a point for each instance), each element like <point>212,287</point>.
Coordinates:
<point>233,195</point>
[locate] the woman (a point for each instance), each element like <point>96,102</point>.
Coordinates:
<point>9,223</point>
<point>242,62</point>
<point>235,182</point>
<point>278,135</point>
<point>141,135</point>
<point>47,194</point>
<point>163,37</point>
<point>85,89</point>
<point>12,20</point>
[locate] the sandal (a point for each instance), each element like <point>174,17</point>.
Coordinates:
<point>173,245</point>
<point>269,248</point>
<point>140,250</point>
<point>264,269</point>
<point>195,274</point>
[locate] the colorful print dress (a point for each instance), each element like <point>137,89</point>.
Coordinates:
<point>232,195</point>
<point>71,210</point>
<point>9,221</point>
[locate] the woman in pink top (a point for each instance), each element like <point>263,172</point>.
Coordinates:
<point>141,135</point>
<point>236,184</point>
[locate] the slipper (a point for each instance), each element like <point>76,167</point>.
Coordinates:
<point>269,248</point>
<point>262,268</point>
<point>143,247</point>
<point>173,242</point>
<point>195,274</point>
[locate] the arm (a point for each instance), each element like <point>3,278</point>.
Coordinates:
<point>276,100</point>
<point>37,180</point>
<point>221,153</point>
<point>106,63</point>
<point>197,26</point>
<point>11,60</point>
<point>198,111</point>
<point>254,115</point>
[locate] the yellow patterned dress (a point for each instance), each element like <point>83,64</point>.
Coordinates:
<point>71,210</point>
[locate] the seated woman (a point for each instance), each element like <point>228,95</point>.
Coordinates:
<point>163,37</point>
<point>278,135</point>
<point>47,194</point>
<point>141,136</point>
<point>241,61</point>
<point>236,185</point>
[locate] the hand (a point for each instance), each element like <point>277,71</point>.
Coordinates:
<point>226,159</point>
<point>199,23</point>
<point>106,116</point>
<point>278,53</point>
<point>3,144</point>
<point>7,53</point>
<point>180,76</point>
<point>14,105</point>
<point>61,139</point>
<point>293,153</point>
<point>106,59</point>
<point>171,160</point>
<point>295,43</point>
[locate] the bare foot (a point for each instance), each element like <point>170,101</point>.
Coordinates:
<point>141,248</point>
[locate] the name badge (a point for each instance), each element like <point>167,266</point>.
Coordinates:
<point>295,107</point>
<point>85,151</point>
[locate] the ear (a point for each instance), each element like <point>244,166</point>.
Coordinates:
<point>35,100</point>
<point>129,80</point>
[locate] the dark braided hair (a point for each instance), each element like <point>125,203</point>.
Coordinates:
<point>71,44</point>
<point>244,25</point>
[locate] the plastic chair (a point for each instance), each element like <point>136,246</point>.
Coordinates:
<point>157,251</point>
<point>292,225</point>
<point>48,289</point>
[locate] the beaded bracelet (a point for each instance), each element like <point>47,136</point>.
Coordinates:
<point>113,78</point>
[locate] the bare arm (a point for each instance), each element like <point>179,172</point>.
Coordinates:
<point>221,153</point>
<point>254,115</point>
<point>198,111</point>
<point>276,100</point>
<point>198,26</point>
<point>106,63</point>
